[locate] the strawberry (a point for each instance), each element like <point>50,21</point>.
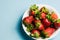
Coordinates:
<point>44,9</point>
<point>28,19</point>
<point>54,16</point>
<point>33,8</point>
<point>35,33</point>
<point>39,25</point>
<point>57,23</point>
<point>49,31</point>
<point>43,15</point>
<point>31,18</point>
<point>46,22</point>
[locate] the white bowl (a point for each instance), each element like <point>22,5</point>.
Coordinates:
<point>50,9</point>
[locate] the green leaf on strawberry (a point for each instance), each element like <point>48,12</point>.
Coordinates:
<point>29,27</point>
<point>43,35</point>
<point>35,33</point>
<point>45,10</point>
<point>37,24</point>
<point>34,7</point>
<point>37,14</point>
<point>48,16</point>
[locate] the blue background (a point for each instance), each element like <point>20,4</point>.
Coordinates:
<point>11,12</point>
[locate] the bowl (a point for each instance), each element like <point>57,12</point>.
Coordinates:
<point>50,9</point>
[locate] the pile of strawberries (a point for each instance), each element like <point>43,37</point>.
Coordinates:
<point>40,23</point>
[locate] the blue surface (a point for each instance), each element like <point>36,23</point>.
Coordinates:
<point>11,12</point>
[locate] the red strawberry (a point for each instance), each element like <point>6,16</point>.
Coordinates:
<point>31,18</point>
<point>54,16</point>
<point>41,27</point>
<point>43,15</point>
<point>46,22</point>
<point>28,19</point>
<point>49,31</point>
<point>57,24</point>
<point>35,33</point>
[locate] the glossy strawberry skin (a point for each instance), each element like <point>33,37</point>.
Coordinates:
<point>46,22</point>
<point>28,19</point>
<point>41,27</point>
<point>31,18</point>
<point>43,15</point>
<point>35,31</point>
<point>57,25</point>
<point>49,31</point>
